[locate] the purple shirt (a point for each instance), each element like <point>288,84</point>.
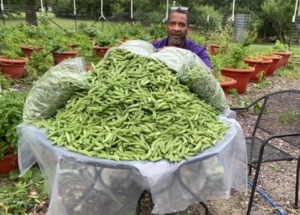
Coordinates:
<point>189,45</point>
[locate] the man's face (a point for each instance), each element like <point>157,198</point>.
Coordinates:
<point>177,28</point>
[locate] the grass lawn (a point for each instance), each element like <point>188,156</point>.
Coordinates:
<point>266,46</point>
<point>62,22</point>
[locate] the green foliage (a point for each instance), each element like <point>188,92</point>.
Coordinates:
<point>199,17</point>
<point>223,37</point>
<point>38,64</point>
<point>234,57</point>
<point>217,63</point>
<point>22,193</point>
<point>280,13</point>
<point>90,31</point>
<point>105,40</point>
<point>201,40</point>
<point>5,81</point>
<point>289,117</point>
<point>291,71</point>
<point>157,31</point>
<point>280,47</point>
<point>11,112</point>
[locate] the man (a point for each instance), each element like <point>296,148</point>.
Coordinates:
<point>177,27</point>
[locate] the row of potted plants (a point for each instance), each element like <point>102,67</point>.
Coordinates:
<point>235,62</point>
<point>21,41</point>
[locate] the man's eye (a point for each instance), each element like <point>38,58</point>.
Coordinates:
<point>182,25</point>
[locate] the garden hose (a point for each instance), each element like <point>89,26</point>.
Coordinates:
<point>266,197</point>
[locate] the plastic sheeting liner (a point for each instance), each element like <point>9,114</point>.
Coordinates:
<point>98,186</point>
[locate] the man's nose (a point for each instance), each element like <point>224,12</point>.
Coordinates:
<point>176,27</point>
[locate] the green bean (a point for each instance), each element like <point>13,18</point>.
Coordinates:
<point>135,109</point>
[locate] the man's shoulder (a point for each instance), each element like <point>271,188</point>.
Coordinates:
<point>194,47</point>
<point>159,43</point>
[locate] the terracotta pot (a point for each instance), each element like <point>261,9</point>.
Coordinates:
<point>10,162</point>
<point>259,39</point>
<point>284,60</point>
<point>72,46</point>
<point>241,76</point>
<point>27,51</point>
<point>13,68</point>
<point>226,85</point>
<point>101,51</point>
<point>215,49</point>
<point>64,55</point>
<point>259,66</point>
<point>273,65</point>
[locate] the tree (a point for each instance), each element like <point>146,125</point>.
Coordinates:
<point>280,13</point>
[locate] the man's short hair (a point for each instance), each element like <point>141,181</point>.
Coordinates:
<point>180,10</point>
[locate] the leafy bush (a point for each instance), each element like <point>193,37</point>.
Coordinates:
<point>280,47</point>
<point>11,114</point>
<point>199,17</point>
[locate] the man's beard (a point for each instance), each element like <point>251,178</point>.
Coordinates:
<point>176,43</point>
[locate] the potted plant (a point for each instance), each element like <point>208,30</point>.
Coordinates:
<point>235,68</point>
<point>260,65</point>
<point>219,40</point>
<point>275,58</point>
<point>61,50</point>
<point>105,42</point>
<point>225,82</point>
<point>34,40</point>
<point>12,64</point>
<point>282,50</point>
<point>11,106</point>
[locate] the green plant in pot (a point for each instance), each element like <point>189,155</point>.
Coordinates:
<point>261,66</point>
<point>105,42</point>
<point>217,63</point>
<point>11,112</point>
<point>62,48</point>
<point>236,68</point>
<point>34,40</point>
<point>282,50</point>
<point>220,40</point>
<point>12,63</point>
<point>275,59</point>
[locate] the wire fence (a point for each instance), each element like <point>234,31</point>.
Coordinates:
<point>59,15</point>
<point>295,32</point>
<point>65,18</point>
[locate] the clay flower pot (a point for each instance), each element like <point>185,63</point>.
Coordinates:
<point>259,66</point>
<point>226,85</point>
<point>284,60</point>
<point>64,55</point>
<point>215,49</point>
<point>273,65</point>
<point>27,51</point>
<point>10,162</point>
<point>101,51</point>
<point>241,76</point>
<point>14,68</point>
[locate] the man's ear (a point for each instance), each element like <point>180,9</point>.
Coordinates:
<point>188,29</point>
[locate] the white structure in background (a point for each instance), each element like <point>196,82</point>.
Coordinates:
<point>294,17</point>
<point>233,5</point>
<point>2,8</point>
<point>74,3</point>
<point>131,9</point>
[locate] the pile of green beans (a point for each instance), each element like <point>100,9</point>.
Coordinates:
<point>135,110</point>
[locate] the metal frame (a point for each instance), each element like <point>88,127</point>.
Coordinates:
<point>265,142</point>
